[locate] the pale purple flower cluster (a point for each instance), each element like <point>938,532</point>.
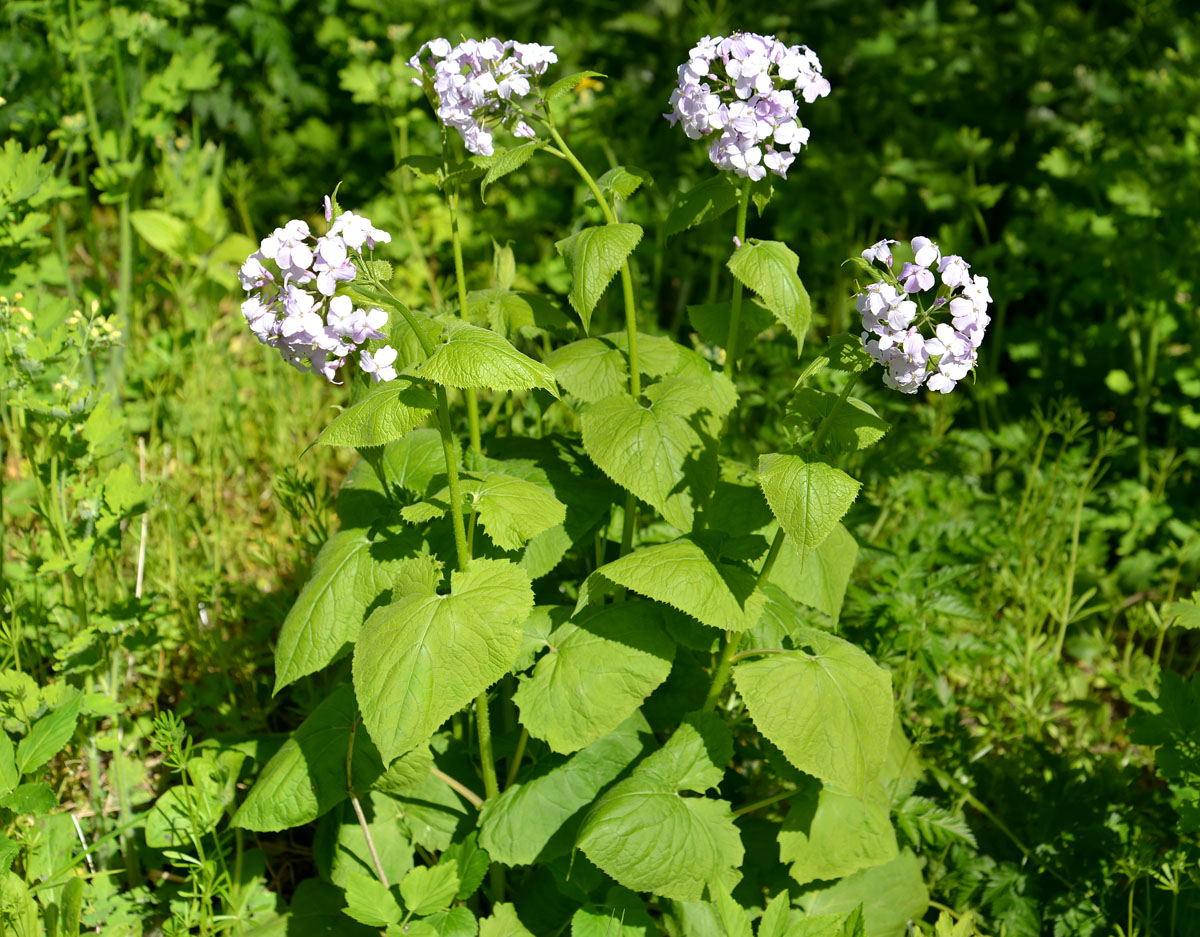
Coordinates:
<point>479,82</point>
<point>737,87</point>
<point>291,281</point>
<point>894,315</point>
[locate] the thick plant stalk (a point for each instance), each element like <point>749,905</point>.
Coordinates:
<point>461,280</point>
<point>733,639</point>
<point>735,304</point>
<point>483,724</point>
<point>635,374</point>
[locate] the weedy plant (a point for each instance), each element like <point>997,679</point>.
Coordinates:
<point>594,671</point>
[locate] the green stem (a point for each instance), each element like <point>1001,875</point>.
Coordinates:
<point>734,638</point>
<point>635,373</point>
<point>515,765</point>
<point>85,84</point>
<point>735,305</point>
<point>124,294</point>
<point>827,421</point>
<point>461,279</point>
<point>483,722</point>
<point>450,455</point>
<point>765,802</point>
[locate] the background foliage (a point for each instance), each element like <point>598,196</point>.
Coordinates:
<point>1028,545</point>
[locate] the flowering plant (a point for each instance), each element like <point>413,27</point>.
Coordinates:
<point>291,303</point>
<point>654,548</point>
<point>900,317</point>
<point>738,88</point>
<point>477,83</point>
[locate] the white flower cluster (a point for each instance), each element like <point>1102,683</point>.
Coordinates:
<point>315,331</point>
<point>476,82</point>
<point>746,100</point>
<point>893,316</point>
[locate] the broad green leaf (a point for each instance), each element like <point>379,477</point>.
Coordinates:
<point>591,368</point>
<point>711,321</point>
<point>368,902</point>
<point>433,813</point>
<point>422,658</point>
<point>511,312</point>
<point>774,921</point>
<point>316,909</point>
<point>601,666</point>
<point>162,231</point>
<point>594,255</point>
<point>22,915</point>
<point>307,776</point>
<point>854,425</point>
<point>180,814</point>
<point>426,888</point>
<point>475,357</point>
<point>647,837</point>
<point>704,202</point>
<point>891,895</point>
<point>658,452</point>
<point>769,268</point>
<point>30,799</point>
<point>598,367</point>
<point>414,461</point>
<point>621,182</point>
<point>49,735</point>
<point>568,84</point>
<point>1183,614</point>
<point>512,510</point>
<point>503,923</point>
<point>454,922</point>
<point>838,924</point>
<point>829,833</point>
<point>388,412</point>
<point>1168,720</point>
<point>406,772</point>
<point>733,917</point>
<point>559,466</point>
<point>846,353</point>
<point>622,913</point>
<point>473,862</point>
<point>352,571</point>
<point>536,632</point>
<point>819,579</point>
<point>501,164</point>
<point>516,827</point>
<point>829,711</point>
<point>351,854</point>
<point>808,498</point>
<point>10,775</point>
<point>683,575</point>
<point>71,906</point>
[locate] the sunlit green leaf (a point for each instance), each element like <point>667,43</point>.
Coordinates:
<point>828,711</point>
<point>425,656</point>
